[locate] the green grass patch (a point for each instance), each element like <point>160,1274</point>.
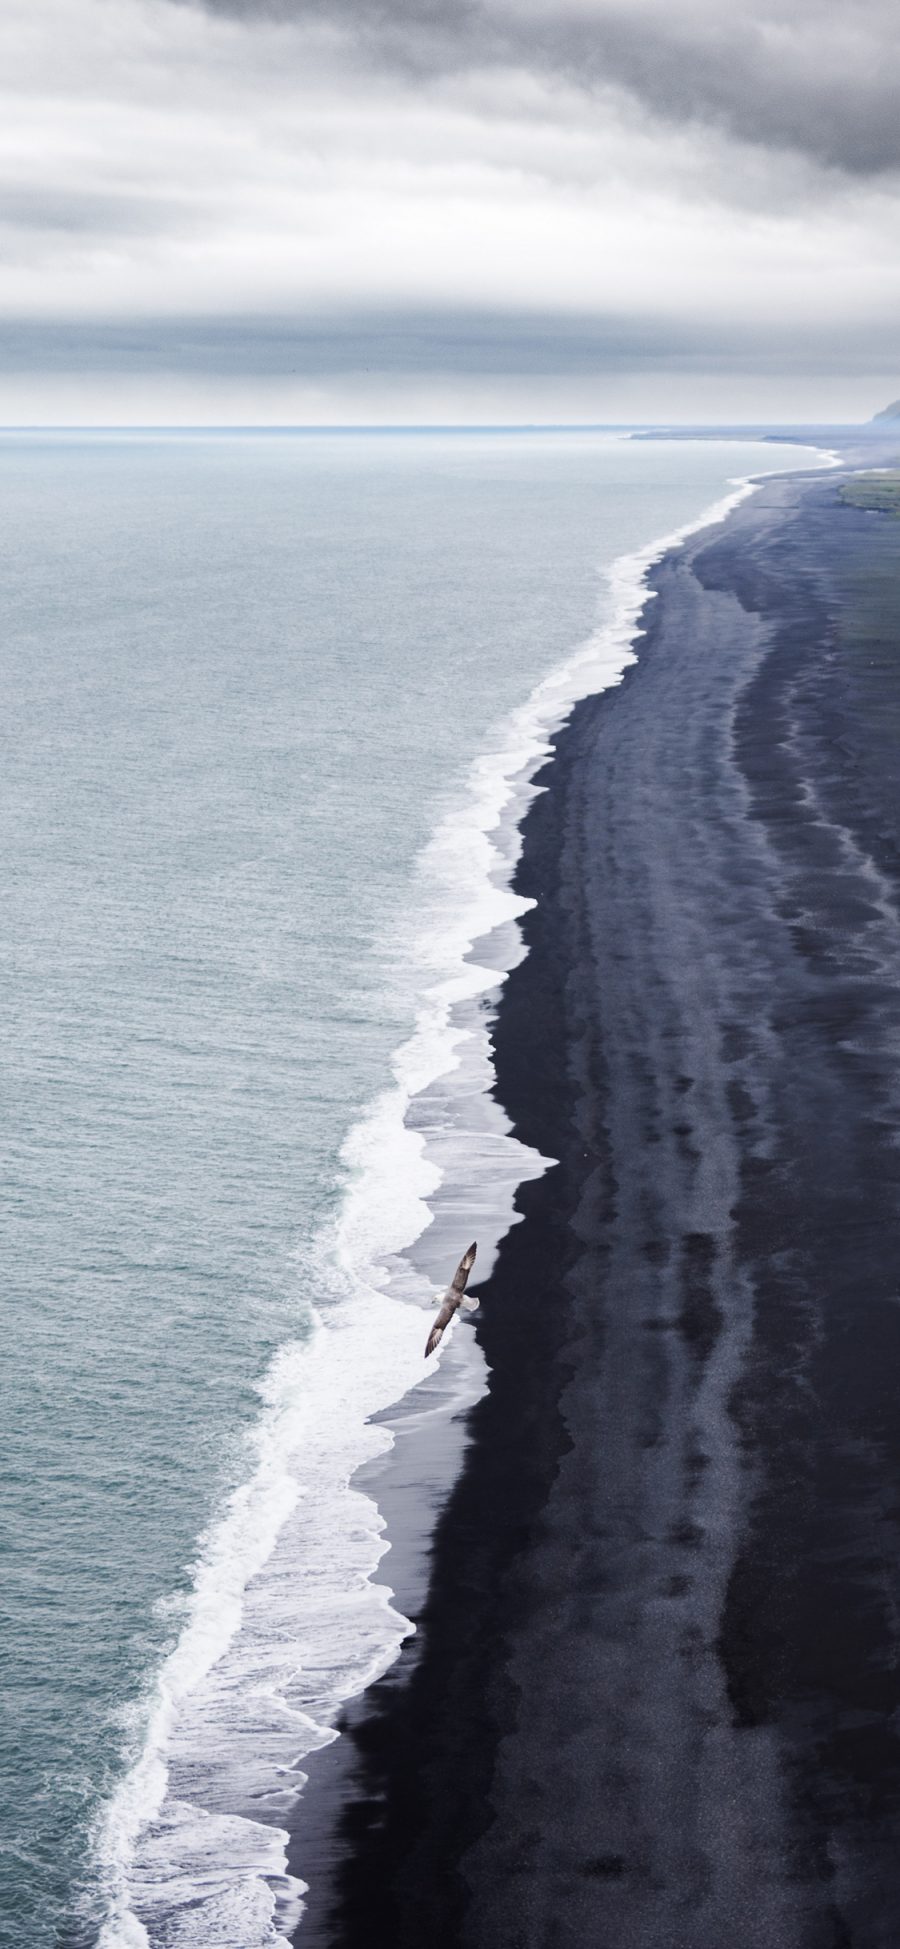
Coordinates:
<point>876,493</point>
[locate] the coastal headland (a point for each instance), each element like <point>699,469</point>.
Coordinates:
<point>653,1701</point>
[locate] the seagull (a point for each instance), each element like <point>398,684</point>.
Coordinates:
<point>450,1301</point>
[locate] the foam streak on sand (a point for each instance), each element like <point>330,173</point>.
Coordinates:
<point>284,1622</point>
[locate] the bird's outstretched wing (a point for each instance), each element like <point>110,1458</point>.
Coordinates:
<point>463,1269</point>
<point>443,1319</point>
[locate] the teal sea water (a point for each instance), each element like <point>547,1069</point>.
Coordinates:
<point>256,696</point>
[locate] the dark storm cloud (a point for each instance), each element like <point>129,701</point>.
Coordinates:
<point>820,79</point>
<point>388,345</point>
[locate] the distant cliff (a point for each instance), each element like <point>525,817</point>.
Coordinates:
<point>888,413</point>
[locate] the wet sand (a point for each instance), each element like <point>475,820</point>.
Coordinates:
<point>654,1697</point>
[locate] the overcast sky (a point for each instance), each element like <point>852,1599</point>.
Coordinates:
<point>383,210</point>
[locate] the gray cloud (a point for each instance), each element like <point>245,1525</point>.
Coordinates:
<point>390,345</point>
<point>86,212</point>
<point>810,76</point>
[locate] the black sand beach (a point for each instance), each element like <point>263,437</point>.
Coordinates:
<point>654,1699</point>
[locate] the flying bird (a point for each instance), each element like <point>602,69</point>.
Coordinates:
<point>453,1299</point>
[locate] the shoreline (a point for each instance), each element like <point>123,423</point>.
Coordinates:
<point>429,1421</point>
<point>345,1630</point>
<point>453,1796</point>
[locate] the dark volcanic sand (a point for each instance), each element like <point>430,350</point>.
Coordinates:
<point>655,1699</point>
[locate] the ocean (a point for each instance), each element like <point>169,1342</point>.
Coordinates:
<point>271,706</point>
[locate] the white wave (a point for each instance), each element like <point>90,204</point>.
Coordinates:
<point>284,1623</point>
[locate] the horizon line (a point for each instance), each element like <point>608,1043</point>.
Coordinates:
<point>429,426</point>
